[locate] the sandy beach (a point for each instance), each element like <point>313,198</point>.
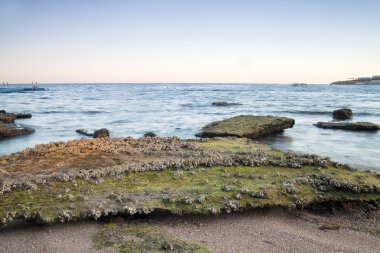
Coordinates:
<point>267,230</point>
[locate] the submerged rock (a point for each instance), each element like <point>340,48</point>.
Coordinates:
<point>11,130</point>
<point>342,114</point>
<point>246,126</point>
<point>224,103</point>
<point>102,133</point>
<point>353,126</point>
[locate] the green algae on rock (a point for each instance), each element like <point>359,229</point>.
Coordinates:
<point>61,181</point>
<point>246,126</point>
<point>141,238</point>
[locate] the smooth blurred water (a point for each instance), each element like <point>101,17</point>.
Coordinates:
<point>183,109</point>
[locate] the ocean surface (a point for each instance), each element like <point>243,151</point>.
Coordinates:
<point>183,109</point>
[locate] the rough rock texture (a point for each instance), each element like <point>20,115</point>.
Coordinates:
<point>90,178</point>
<point>224,103</point>
<point>8,118</point>
<point>354,126</point>
<point>11,130</point>
<point>7,126</point>
<point>342,114</point>
<point>246,126</point>
<point>102,133</point>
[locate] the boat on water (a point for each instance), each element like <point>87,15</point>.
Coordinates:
<point>298,84</point>
<point>20,89</point>
<point>374,80</point>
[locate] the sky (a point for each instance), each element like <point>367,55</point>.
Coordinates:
<point>213,41</point>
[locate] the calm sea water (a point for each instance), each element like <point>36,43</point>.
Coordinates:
<point>182,110</point>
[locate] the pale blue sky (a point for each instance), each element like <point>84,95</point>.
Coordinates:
<point>314,41</point>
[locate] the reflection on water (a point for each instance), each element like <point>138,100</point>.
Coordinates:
<point>182,110</point>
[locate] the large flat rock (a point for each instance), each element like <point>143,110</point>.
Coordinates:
<point>246,126</point>
<point>91,178</point>
<point>353,126</point>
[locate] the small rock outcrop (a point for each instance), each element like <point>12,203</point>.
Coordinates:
<point>8,128</point>
<point>246,126</point>
<point>102,133</point>
<point>96,133</point>
<point>353,126</point>
<point>224,103</point>
<point>149,134</point>
<point>342,114</point>
<point>10,118</point>
<point>7,118</point>
<point>87,132</point>
<point>23,115</point>
<point>11,130</point>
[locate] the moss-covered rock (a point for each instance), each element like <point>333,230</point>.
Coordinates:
<point>142,238</point>
<point>246,126</point>
<point>140,176</point>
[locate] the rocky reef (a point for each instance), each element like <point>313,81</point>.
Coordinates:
<point>91,178</point>
<point>246,126</point>
<point>353,126</point>
<point>8,128</point>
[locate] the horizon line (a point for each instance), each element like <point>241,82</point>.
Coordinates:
<point>248,83</point>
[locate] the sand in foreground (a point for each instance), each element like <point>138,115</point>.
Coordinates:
<point>270,230</point>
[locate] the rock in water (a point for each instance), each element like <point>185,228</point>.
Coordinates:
<point>87,132</point>
<point>102,133</point>
<point>354,126</point>
<point>150,134</point>
<point>8,118</point>
<point>11,130</point>
<point>223,103</point>
<point>23,115</point>
<point>246,126</point>
<point>342,114</point>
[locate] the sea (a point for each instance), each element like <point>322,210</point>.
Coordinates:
<point>182,109</point>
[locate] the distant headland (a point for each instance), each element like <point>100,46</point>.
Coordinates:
<point>374,80</point>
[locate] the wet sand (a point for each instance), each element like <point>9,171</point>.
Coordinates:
<point>267,230</point>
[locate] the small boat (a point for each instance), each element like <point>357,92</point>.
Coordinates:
<point>298,84</point>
